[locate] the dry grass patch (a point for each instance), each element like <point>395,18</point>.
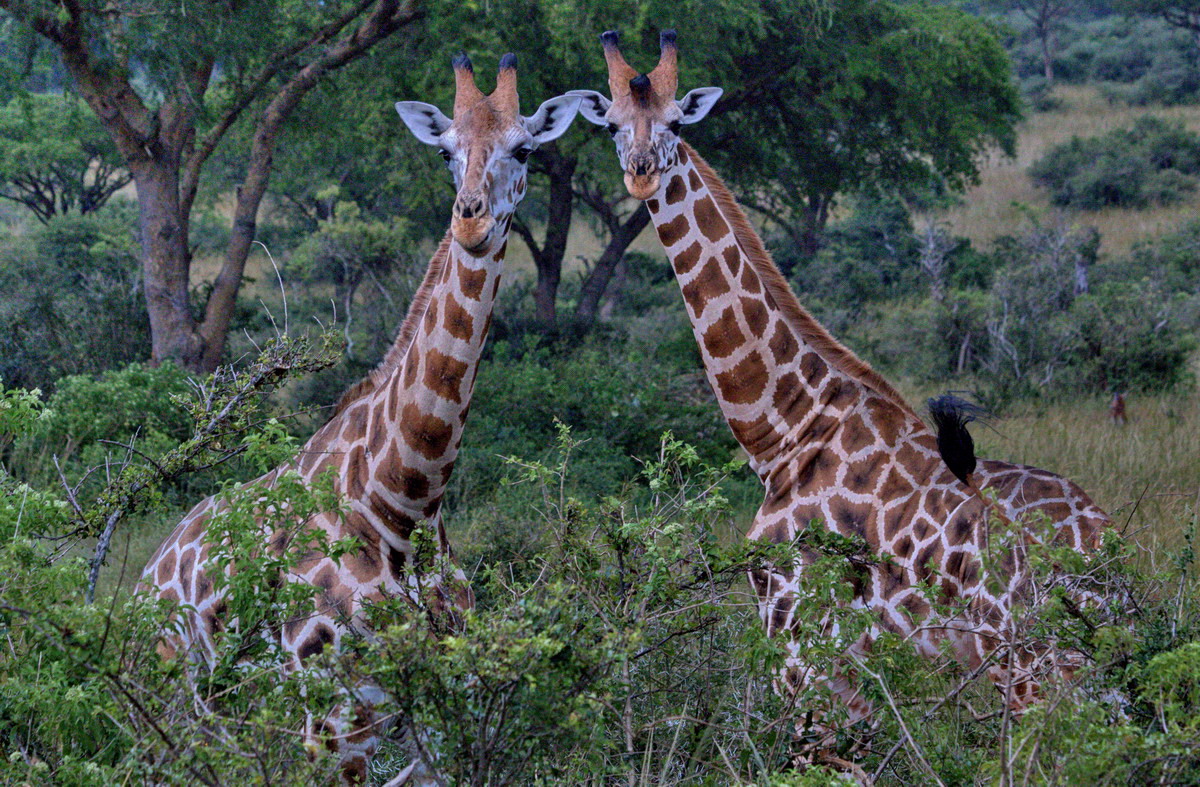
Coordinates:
<point>1146,473</point>
<point>992,208</point>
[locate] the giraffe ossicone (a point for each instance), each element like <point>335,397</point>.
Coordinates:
<point>831,440</point>
<point>393,440</point>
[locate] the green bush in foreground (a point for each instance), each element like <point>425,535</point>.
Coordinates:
<point>625,649</point>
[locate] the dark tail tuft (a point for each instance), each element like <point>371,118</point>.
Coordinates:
<point>950,416</point>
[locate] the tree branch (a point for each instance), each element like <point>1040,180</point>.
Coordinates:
<point>195,162</point>
<point>388,17</point>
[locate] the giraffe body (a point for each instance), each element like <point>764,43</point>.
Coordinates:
<point>394,438</point>
<point>832,442</point>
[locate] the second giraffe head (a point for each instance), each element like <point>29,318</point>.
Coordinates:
<point>643,115</point>
<point>486,147</point>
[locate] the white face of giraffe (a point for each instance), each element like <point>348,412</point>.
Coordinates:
<point>486,148</point>
<point>643,116</point>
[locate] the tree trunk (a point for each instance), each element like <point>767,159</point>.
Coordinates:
<point>223,300</point>
<point>548,257</point>
<point>545,294</point>
<point>166,261</point>
<point>153,142</point>
<point>1047,37</point>
<point>816,214</point>
<point>597,281</point>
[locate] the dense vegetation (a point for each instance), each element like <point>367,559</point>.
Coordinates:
<point>598,503</point>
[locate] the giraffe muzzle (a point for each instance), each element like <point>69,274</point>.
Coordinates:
<point>473,234</point>
<point>641,186</point>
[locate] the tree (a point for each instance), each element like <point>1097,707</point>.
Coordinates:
<point>869,96</point>
<point>1045,16</point>
<point>55,157</point>
<point>1184,14</point>
<point>168,85</point>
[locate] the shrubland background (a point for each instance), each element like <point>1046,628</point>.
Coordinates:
<point>997,198</point>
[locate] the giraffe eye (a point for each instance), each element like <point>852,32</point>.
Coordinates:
<point>522,154</point>
<point>445,154</point>
<point>612,129</point>
<point>673,127</point>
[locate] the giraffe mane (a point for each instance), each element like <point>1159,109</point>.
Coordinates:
<point>404,338</point>
<point>834,352</point>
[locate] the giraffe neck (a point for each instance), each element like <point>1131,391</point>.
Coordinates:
<point>781,380</point>
<point>399,442</point>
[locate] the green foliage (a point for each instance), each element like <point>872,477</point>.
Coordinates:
<point>624,654</point>
<point>869,256</point>
<point>72,301</point>
<point>612,393</point>
<point>136,399</point>
<point>246,572</point>
<point>55,157</point>
<point>88,700</point>
<point>1137,59</point>
<point>374,267</point>
<point>1152,162</point>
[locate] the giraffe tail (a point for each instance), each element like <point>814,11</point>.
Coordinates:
<point>950,415</point>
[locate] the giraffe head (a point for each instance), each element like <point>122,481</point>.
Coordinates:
<point>643,115</point>
<point>486,147</point>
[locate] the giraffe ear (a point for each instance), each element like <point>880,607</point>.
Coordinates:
<point>552,119</point>
<point>425,121</point>
<point>697,103</point>
<point>593,106</point>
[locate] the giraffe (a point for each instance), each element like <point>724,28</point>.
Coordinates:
<point>829,438</point>
<point>393,440</point>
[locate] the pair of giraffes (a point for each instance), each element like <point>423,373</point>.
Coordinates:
<point>829,438</point>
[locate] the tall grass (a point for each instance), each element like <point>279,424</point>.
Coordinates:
<point>1146,474</point>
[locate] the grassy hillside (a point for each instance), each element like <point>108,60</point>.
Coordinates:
<point>993,208</point>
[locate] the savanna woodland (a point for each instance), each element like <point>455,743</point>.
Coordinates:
<point>213,225</point>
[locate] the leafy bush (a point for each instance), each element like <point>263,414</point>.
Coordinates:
<point>1153,162</point>
<point>626,649</point>
<point>72,301</point>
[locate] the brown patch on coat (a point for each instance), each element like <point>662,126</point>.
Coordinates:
<point>396,521</point>
<point>471,281</point>
<point>458,321</point>
<point>895,485</point>
<point>724,335</point>
<point>316,642</point>
<point>709,220</point>
<point>757,436</point>
<point>444,375</point>
<point>756,315</point>
<point>676,191</point>
<point>685,260</point>
<point>166,568</point>
<point>750,282</point>
<point>396,562</point>
<point>356,472</point>
<point>426,434</point>
<point>791,399</point>
<point>671,232</point>
<point>403,480</point>
<point>783,344</point>
<point>733,259</point>
<point>745,382</point>
<point>709,283</point>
